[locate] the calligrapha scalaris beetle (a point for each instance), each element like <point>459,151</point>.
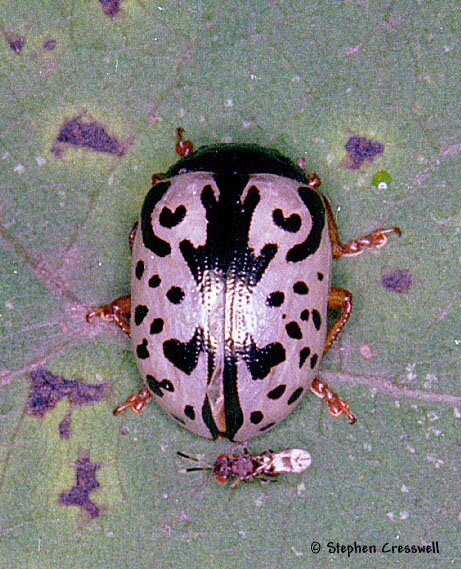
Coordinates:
<point>230,288</point>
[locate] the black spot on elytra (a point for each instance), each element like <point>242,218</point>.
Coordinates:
<point>184,355</point>
<point>275,299</point>
<point>295,395</point>
<point>47,389</point>
<point>140,312</point>
<point>277,392</point>
<point>86,483</point>
<point>260,361</point>
<point>86,134</point>
<point>293,330</point>
<point>396,280</point>
<point>304,315</point>
<point>300,287</point>
<point>142,351</point>
<point>314,360</point>
<point>256,417</point>
<point>303,355</point>
<point>320,276</point>
<point>110,7</point>
<point>157,387</point>
<point>189,412</point>
<point>292,223</point>
<point>360,149</point>
<point>169,219</point>
<point>309,246</point>
<point>139,270</point>
<point>155,281</point>
<point>175,295</point>
<point>316,319</point>
<point>157,326</point>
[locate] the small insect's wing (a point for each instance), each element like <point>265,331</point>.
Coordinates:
<point>289,461</point>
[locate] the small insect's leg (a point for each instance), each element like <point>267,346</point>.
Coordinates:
<point>376,239</point>
<point>135,402</point>
<point>235,483</point>
<point>117,311</point>
<point>183,147</point>
<point>336,405</point>
<point>132,236</point>
<point>340,298</point>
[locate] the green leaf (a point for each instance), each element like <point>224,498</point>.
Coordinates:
<point>303,77</point>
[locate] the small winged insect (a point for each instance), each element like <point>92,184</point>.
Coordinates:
<point>245,467</point>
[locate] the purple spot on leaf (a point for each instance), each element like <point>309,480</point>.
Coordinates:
<point>360,149</point>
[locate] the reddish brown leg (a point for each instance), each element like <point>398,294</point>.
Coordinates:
<point>183,147</point>
<point>117,311</point>
<point>157,178</point>
<point>336,405</point>
<point>340,298</point>
<point>135,402</point>
<point>313,181</point>
<point>132,235</point>
<point>376,239</point>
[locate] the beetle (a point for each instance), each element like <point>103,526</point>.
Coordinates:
<point>230,288</point>
<point>246,467</point>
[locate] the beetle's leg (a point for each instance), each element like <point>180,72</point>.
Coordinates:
<point>376,239</point>
<point>158,177</point>
<point>136,403</point>
<point>313,181</point>
<point>336,405</point>
<point>117,311</point>
<point>340,298</point>
<point>183,147</point>
<point>132,235</point>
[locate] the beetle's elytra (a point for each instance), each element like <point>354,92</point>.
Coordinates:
<point>230,287</point>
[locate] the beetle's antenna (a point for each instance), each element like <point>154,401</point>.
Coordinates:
<point>194,468</point>
<point>187,456</point>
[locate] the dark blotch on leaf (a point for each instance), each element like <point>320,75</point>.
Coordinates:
<point>86,134</point>
<point>47,389</point>
<point>110,7</point>
<point>49,44</point>
<point>15,41</point>
<point>397,280</point>
<point>64,427</point>
<point>78,495</point>
<point>360,149</point>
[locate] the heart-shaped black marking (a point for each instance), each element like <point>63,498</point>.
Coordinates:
<point>291,223</point>
<point>170,218</point>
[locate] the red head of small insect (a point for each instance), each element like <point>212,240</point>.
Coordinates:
<point>221,468</point>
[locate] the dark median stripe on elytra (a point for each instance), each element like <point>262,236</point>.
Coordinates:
<point>233,413</point>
